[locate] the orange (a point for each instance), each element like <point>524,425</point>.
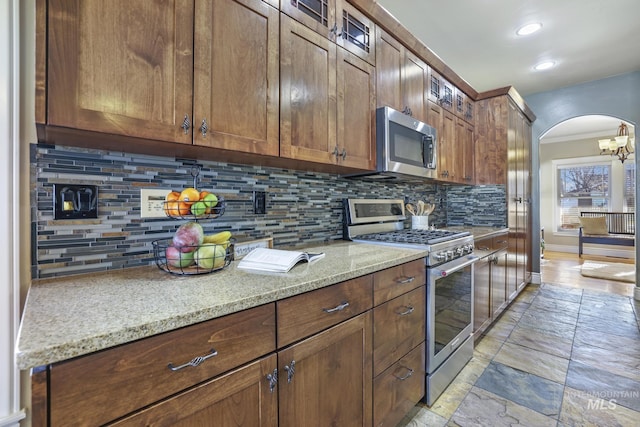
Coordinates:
<point>189,195</point>
<point>172,208</point>
<point>184,208</point>
<point>172,196</point>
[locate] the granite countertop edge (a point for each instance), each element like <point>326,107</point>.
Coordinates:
<point>77,315</point>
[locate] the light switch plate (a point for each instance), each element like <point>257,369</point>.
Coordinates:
<point>152,203</point>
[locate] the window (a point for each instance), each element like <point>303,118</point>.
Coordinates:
<point>591,184</point>
<point>629,187</point>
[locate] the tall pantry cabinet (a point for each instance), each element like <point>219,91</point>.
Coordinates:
<point>503,157</point>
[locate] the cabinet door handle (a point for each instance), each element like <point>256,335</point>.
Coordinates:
<point>344,153</point>
<point>194,362</point>
<point>204,127</point>
<point>405,376</point>
<point>407,280</point>
<point>335,152</point>
<point>483,248</point>
<point>409,310</point>
<point>273,380</point>
<point>186,124</point>
<point>291,370</point>
<point>339,307</point>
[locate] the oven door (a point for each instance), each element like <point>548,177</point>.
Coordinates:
<point>449,308</point>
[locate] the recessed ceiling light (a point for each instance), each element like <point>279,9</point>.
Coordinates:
<point>525,30</point>
<point>544,65</point>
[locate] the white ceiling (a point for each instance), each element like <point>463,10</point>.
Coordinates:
<point>588,39</point>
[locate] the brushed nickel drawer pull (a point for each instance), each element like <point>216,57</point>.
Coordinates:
<point>409,310</point>
<point>339,307</point>
<point>407,280</point>
<point>405,376</point>
<point>195,361</point>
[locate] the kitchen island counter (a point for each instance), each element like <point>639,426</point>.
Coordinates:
<point>76,315</point>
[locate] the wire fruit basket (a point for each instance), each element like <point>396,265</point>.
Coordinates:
<point>194,212</point>
<point>190,260</point>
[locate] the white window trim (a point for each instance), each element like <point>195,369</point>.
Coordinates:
<point>617,192</point>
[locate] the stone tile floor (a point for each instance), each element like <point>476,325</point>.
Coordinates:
<point>558,356</point>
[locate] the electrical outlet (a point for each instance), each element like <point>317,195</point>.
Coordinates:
<point>259,202</point>
<point>152,203</point>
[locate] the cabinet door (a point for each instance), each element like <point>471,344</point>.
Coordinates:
<point>499,283</point>
<point>236,83</point>
<point>513,201</point>
<point>121,67</point>
<point>356,32</point>
<point>414,86</point>
<point>491,141</point>
<point>356,111</point>
<point>242,397</point>
<point>319,15</point>
<point>389,63</point>
<point>308,94</point>
<point>327,378</point>
<point>481,296</point>
<point>446,143</point>
<point>467,146</point>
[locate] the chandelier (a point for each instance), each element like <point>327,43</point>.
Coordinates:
<point>621,146</point>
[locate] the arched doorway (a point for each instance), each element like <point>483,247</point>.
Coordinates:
<point>576,175</point>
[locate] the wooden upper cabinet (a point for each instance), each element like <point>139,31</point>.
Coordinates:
<point>389,63</point>
<point>121,67</point>
<point>356,131</point>
<point>327,100</point>
<point>319,15</point>
<point>236,80</point>
<point>401,77</point>
<point>338,21</point>
<point>356,32</point>
<point>307,94</point>
<point>490,151</point>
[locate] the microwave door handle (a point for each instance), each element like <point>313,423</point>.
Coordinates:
<point>428,151</point>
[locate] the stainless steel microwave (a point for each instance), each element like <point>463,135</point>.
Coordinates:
<point>406,148</point>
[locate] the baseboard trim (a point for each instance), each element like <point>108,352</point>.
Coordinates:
<point>599,251</point>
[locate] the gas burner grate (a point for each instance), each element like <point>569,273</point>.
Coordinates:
<point>414,236</point>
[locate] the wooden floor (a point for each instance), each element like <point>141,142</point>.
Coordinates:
<point>561,268</point>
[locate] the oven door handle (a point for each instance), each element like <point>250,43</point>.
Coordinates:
<point>455,265</point>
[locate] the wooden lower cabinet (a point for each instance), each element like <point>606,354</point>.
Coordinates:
<point>326,379</point>
<point>397,390</point>
<point>243,397</point>
<point>491,293</point>
<point>229,371</point>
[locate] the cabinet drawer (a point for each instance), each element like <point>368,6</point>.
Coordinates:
<point>398,326</point>
<point>243,394</point>
<point>390,283</point>
<point>399,388</point>
<point>306,314</point>
<point>82,390</point>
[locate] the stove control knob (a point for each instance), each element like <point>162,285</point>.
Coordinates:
<point>440,256</point>
<point>449,254</point>
<point>468,248</point>
<point>459,251</point>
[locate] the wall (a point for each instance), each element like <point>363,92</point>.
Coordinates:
<point>303,208</point>
<point>614,96</point>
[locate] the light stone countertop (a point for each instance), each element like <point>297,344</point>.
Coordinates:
<point>77,315</point>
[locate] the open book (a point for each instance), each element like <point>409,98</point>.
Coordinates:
<point>275,260</point>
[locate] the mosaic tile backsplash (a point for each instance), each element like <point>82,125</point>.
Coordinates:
<point>303,208</point>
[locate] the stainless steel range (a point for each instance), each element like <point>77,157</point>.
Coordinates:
<point>449,268</point>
